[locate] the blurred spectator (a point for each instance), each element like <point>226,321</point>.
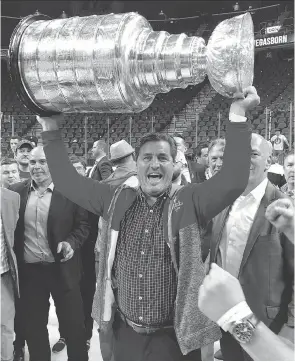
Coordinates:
<point>10,202</point>
<point>23,150</point>
<point>215,157</point>
<point>202,154</point>
<point>289,172</point>
<point>236,7</point>
<point>279,142</point>
<point>14,140</point>
<point>33,140</point>
<point>9,172</point>
<point>188,171</point>
<point>275,173</point>
<point>102,167</point>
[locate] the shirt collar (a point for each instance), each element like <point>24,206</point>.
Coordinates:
<point>165,193</point>
<point>259,190</point>
<point>33,186</point>
<point>99,159</point>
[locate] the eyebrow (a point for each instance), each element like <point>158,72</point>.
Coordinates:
<point>158,154</point>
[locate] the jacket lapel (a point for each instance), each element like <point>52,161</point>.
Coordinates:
<point>258,223</point>
<point>218,226</point>
<point>54,211</point>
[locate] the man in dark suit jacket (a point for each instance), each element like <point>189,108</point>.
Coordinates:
<point>102,168</point>
<point>48,236</point>
<point>196,171</point>
<point>247,245</point>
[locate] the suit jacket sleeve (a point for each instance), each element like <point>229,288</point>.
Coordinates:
<point>220,191</point>
<point>288,250</point>
<point>85,192</point>
<point>105,169</point>
<point>81,229</point>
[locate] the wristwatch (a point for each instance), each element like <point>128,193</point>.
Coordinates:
<point>243,330</point>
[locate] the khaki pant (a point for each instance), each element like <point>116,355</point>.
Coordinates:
<point>7,317</point>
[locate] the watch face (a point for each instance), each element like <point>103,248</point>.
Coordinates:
<point>243,331</point>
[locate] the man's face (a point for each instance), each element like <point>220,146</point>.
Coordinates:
<point>180,144</point>
<point>79,168</point>
<point>215,158</point>
<point>278,133</point>
<point>96,149</point>
<point>260,159</point>
<point>13,144</point>
<point>38,166</point>
<point>9,174</point>
<point>155,167</point>
<point>22,155</point>
<point>204,156</point>
<point>289,169</point>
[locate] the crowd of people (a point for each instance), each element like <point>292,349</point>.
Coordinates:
<point>167,255</point>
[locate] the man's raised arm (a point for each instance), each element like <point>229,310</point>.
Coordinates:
<point>85,192</point>
<point>220,191</point>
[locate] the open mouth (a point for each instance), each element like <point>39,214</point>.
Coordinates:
<point>154,178</point>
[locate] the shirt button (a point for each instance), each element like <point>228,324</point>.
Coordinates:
<point>140,275</point>
<point>140,318</point>
<point>140,298</point>
<point>142,252</point>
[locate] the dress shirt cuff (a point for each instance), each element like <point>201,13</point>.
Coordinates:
<point>236,118</point>
<point>236,313</point>
<point>51,135</point>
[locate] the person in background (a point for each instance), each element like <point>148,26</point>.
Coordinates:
<point>48,237</point>
<point>289,172</point>
<point>33,140</point>
<point>9,172</point>
<point>88,279</point>
<point>102,167</point>
<point>281,214</point>
<point>190,170</point>
<point>122,158</point>
<point>10,203</point>
<point>221,298</point>
<point>215,157</point>
<point>279,141</point>
<point>202,154</point>
<point>151,266</point>
<point>244,243</point>
<point>14,140</point>
<point>275,173</point>
<point>22,153</point>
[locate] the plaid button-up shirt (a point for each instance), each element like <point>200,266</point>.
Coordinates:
<point>143,268</point>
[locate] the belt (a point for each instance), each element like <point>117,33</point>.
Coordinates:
<point>141,329</point>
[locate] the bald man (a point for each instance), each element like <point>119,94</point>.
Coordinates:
<point>245,244</point>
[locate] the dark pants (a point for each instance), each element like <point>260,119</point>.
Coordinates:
<point>38,282</point>
<point>87,286</point>
<point>19,341</point>
<point>159,346</point>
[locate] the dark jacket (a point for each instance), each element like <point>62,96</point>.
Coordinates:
<point>185,213</point>
<point>66,222</point>
<point>197,172</point>
<point>102,170</point>
<point>267,268</point>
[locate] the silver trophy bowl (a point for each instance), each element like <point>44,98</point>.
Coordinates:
<point>116,63</point>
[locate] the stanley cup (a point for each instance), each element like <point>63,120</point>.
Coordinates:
<point>116,63</point>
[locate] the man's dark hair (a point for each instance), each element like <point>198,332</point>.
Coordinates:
<point>8,161</point>
<point>157,137</point>
<point>15,137</point>
<point>76,159</point>
<point>199,149</point>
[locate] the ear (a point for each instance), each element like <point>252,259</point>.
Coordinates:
<point>268,163</point>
